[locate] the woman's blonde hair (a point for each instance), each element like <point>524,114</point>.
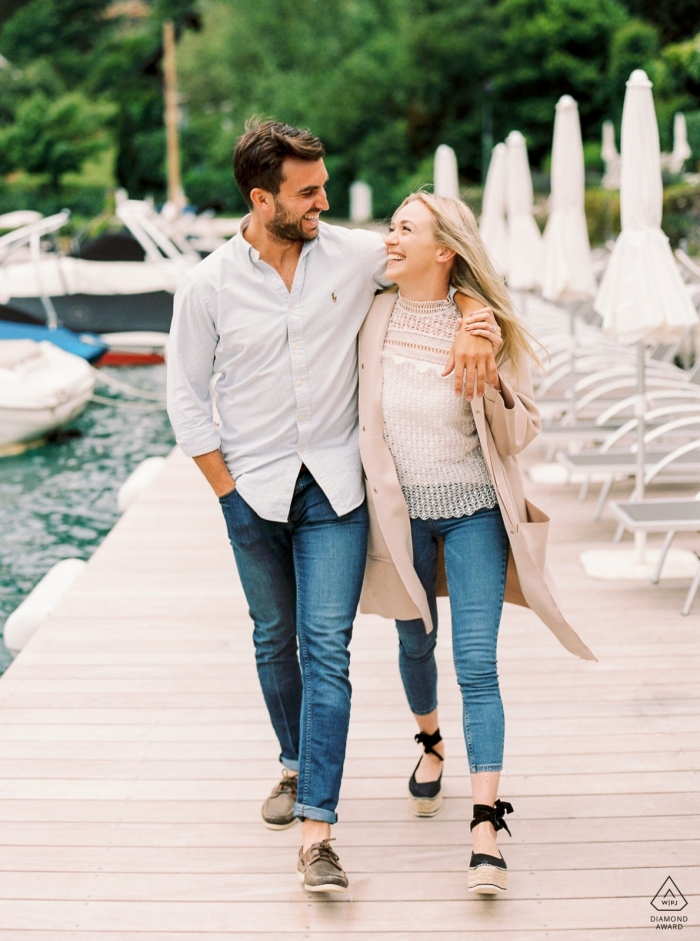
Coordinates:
<point>472,271</point>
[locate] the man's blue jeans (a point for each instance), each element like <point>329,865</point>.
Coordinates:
<point>302,581</point>
<point>476,557</point>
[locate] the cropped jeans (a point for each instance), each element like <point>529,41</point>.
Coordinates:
<point>302,580</point>
<point>476,557</point>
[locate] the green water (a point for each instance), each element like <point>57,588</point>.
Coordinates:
<point>60,501</point>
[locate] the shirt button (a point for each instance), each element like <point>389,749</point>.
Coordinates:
<point>303,418</point>
<point>363,428</point>
<point>362,366</point>
<point>300,382</point>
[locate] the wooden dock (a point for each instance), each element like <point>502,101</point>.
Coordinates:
<point>135,751</point>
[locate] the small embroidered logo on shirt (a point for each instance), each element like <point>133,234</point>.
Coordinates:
<point>334,297</point>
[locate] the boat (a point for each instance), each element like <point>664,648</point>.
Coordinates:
<point>120,282</point>
<point>135,348</point>
<point>18,325</point>
<point>42,388</point>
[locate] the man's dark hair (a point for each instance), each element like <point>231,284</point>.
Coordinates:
<point>262,149</point>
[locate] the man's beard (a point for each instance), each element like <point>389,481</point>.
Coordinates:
<point>286,228</point>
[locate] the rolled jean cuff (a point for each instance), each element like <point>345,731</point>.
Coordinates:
<point>315,813</point>
<point>289,764</point>
<point>482,769</point>
<point>423,712</point>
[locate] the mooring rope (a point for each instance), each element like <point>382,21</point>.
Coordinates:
<point>113,383</point>
<point>119,403</point>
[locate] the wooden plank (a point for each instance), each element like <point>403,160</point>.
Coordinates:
<point>227,694</point>
<point>411,917</point>
<point>400,829</point>
<point>515,934</point>
<point>561,807</point>
<point>281,858</point>
<point>142,763</point>
<point>512,787</point>
<point>575,753</point>
<point>384,886</point>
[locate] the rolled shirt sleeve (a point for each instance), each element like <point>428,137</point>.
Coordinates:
<point>376,261</point>
<point>191,350</point>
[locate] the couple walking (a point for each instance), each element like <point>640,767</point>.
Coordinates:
<point>387,500</point>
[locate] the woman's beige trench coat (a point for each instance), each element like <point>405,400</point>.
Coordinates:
<point>391,587</point>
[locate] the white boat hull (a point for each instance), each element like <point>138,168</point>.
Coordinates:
<point>42,388</point>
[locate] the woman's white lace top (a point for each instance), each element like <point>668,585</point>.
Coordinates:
<point>429,430</point>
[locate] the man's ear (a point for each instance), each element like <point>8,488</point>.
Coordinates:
<point>261,199</point>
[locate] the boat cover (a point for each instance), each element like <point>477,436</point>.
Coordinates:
<point>88,346</point>
<point>61,275</point>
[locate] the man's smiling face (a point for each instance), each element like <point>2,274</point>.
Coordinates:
<point>300,201</point>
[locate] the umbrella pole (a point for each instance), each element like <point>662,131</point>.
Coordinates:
<point>640,409</point>
<point>572,327</point>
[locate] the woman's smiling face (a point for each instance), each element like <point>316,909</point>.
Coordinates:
<point>412,249</point>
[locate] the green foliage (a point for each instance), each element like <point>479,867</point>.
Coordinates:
<point>602,214</point>
<point>692,119</point>
<point>63,30</point>
<point>675,19</point>
<point>54,136</point>
<point>31,193</point>
<point>548,48</point>
<point>633,46</point>
<point>382,82</point>
<point>681,216</point>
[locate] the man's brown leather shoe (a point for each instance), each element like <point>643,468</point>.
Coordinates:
<point>278,808</point>
<point>320,870</point>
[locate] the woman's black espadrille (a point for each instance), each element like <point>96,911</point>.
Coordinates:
<point>426,798</point>
<point>489,874</point>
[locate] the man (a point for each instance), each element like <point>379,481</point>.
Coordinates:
<point>276,312</point>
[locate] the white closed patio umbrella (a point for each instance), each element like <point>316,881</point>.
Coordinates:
<point>681,148</point>
<point>641,298</point>
<point>524,238</point>
<point>611,158</point>
<point>492,224</point>
<point>445,175</point>
<point>360,202</point>
<point>567,272</point>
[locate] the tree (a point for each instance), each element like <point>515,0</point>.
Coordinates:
<point>63,30</point>
<point>676,20</point>
<point>54,136</point>
<point>549,48</point>
<point>634,46</point>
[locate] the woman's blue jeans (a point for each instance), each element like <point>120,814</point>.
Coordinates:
<point>476,558</point>
<point>302,580</point>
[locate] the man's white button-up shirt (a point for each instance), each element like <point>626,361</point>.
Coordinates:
<point>286,391</point>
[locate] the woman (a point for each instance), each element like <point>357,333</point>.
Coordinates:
<point>445,495</point>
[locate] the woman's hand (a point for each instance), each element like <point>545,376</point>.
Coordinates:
<point>473,356</point>
<point>482,323</point>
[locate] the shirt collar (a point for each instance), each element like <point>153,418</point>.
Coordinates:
<point>254,255</point>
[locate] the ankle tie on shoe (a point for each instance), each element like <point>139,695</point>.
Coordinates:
<point>428,741</point>
<point>494,815</point>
